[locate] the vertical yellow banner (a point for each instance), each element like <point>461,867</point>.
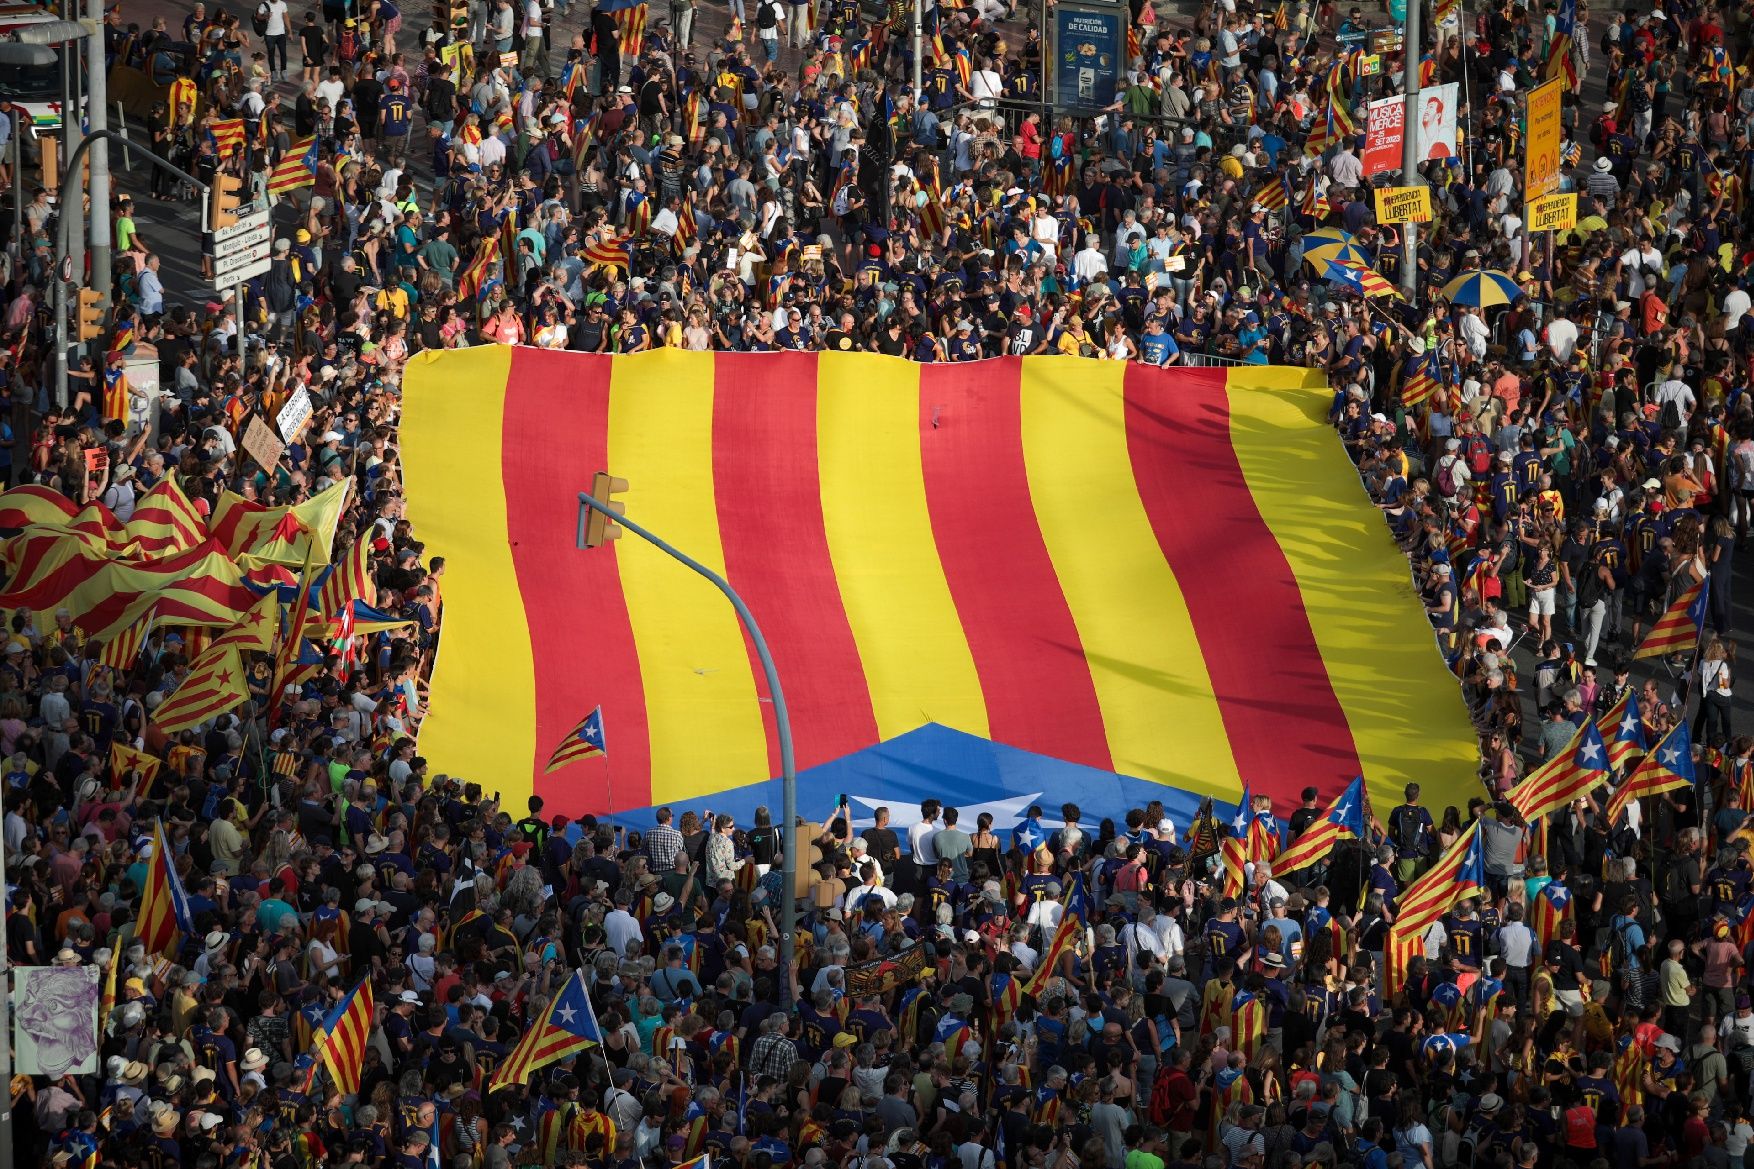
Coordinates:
<point>1541,159</point>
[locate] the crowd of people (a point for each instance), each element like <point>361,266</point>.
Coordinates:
<point>769,176</point>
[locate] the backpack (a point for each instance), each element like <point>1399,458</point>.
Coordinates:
<point>1671,415</point>
<point>1446,477</point>
<point>259,20</point>
<point>1479,454</point>
<point>1057,147</point>
<point>1162,1103</point>
<point>764,17</point>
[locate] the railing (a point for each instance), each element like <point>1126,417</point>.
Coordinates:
<point>1209,359</point>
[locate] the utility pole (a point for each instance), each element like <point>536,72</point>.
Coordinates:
<point>1410,144</point>
<point>6,1157</point>
<point>919,32</point>
<point>97,105</point>
<point>599,519</point>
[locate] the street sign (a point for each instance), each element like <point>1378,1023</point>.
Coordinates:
<point>250,243</point>
<point>66,268</point>
<point>245,225</point>
<point>245,270</point>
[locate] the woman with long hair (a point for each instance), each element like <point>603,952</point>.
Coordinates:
<point>1715,676</point>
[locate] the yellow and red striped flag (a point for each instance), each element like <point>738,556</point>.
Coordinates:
<point>124,759</point>
<point>164,907</point>
<point>980,527</point>
<point>1677,631</point>
<point>348,581</point>
<point>296,168</point>
<point>584,741</point>
<point>1066,936</point>
<point>631,21</point>
<point>216,682</point>
<point>565,1027</point>
<point>341,1038</point>
<point>1623,727</point>
<point>120,652</point>
<point>227,135</point>
<point>1344,821</point>
<point>606,253</point>
<point>1577,770</point>
<point>1668,766</point>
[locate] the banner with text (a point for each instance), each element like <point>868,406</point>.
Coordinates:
<point>1437,122</point>
<point>1541,159</point>
<point>1553,212</point>
<point>1384,123</point>
<point>1403,205</point>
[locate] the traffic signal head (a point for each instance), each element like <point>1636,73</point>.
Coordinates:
<point>600,525</point>
<point>222,201</point>
<point>91,314</point>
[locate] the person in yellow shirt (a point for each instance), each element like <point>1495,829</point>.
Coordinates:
<point>393,300</point>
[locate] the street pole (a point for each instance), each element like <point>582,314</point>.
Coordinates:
<point>70,137</point>
<point>64,243</point>
<point>919,31</point>
<point>1410,144</point>
<point>782,723</point>
<point>97,106</point>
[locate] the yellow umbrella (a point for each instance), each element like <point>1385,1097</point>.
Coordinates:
<point>1485,288</point>
<point>1331,243</point>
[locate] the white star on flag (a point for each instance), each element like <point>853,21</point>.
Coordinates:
<point>1670,755</point>
<point>1588,752</point>
<point>1628,726</point>
<point>1340,811</point>
<point>1005,810</point>
<point>565,1015</point>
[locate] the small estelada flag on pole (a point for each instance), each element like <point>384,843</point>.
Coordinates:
<point>584,741</point>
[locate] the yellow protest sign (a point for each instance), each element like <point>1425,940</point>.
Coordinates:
<point>1553,212</point>
<point>1541,154</point>
<point>1403,204</point>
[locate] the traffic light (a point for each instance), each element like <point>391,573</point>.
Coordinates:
<point>91,314</point>
<point>222,201</point>
<point>598,525</point>
<point>49,158</point>
<point>451,14</point>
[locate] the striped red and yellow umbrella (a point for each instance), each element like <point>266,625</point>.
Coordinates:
<point>1018,550</point>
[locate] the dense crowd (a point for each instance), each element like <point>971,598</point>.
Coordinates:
<point>766,177</point>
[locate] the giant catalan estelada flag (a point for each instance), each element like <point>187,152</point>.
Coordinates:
<point>1030,577</point>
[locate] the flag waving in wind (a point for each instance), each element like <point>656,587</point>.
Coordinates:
<point>1071,927</point>
<point>1344,821</point>
<point>567,1027</point>
<point>341,1038</point>
<point>1577,770</point>
<point>165,918</point>
<point>1678,629</point>
<point>584,741</point>
<point>1667,767</point>
<point>1624,723</point>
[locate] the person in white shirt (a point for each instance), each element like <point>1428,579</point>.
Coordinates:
<point>860,852</point>
<point>1090,264</point>
<point>1142,935</point>
<point>858,894</point>
<point>275,34</point>
<point>919,841</point>
<point>1561,338</point>
<point>1679,392</point>
<point>621,927</point>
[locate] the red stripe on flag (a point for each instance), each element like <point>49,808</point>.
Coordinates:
<point>1286,727</point>
<point>556,432</point>
<point>766,488</point>
<point>1013,610</point>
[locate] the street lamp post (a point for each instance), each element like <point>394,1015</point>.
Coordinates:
<point>782,721</point>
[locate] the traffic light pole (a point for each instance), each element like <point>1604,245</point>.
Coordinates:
<point>97,117</point>
<point>64,242</point>
<point>781,720</point>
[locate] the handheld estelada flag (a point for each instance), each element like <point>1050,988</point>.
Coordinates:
<point>584,741</point>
